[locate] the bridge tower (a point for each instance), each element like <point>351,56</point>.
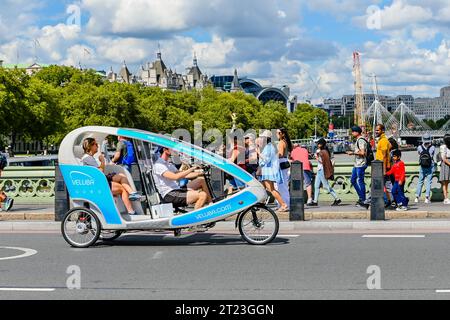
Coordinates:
<point>359,95</point>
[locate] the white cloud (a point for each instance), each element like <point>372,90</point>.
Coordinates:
<point>156,19</point>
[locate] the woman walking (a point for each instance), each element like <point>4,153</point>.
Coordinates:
<point>325,172</point>
<point>270,169</point>
<point>284,150</point>
<point>444,177</point>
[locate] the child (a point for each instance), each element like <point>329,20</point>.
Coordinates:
<point>399,172</point>
<point>4,199</point>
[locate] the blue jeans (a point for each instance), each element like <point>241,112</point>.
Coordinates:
<point>358,182</point>
<point>399,194</point>
<point>320,179</point>
<point>425,175</point>
<point>236,184</point>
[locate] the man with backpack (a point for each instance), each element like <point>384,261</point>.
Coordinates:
<point>124,155</point>
<point>7,202</point>
<point>426,155</point>
<point>363,158</point>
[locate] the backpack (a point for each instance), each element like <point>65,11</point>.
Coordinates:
<point>129,158</point>
<point>3,161</point>
<point>370,157</point>
<point>425,159</point>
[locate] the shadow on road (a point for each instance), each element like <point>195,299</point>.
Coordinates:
<point>210,239</point>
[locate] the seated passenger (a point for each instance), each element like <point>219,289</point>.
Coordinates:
<point>166,178</point>
<point>118,182</point>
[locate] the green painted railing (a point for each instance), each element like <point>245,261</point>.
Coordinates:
<point>29,185</point>
<point>35,185</point>
<point>344,189</point>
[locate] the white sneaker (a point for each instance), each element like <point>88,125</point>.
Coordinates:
<point>427,201</point>
<point>416,200</point>
<point>447,201</point>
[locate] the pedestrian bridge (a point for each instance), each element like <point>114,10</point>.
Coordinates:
<point>418,134</point>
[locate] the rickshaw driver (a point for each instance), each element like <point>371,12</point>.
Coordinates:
<point>166,177</point>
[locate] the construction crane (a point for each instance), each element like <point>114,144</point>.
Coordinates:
<point>359,95</point>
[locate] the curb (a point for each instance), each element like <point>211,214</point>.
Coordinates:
<point>285,226</point>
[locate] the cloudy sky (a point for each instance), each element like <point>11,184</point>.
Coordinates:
<point>406,43</point>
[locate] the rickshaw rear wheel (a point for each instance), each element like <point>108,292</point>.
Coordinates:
<point>109,235</point>
<point>258,225</point>
<point>81,227</point>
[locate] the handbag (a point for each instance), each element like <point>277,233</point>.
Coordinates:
<point>285,165</point>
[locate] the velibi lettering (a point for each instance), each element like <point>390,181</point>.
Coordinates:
<point>213,212</point>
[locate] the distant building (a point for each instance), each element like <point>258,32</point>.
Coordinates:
<point>264,94</point>
<point>433,108</point>
<point>345,106</point>
<point>29,69</point>
<point>156,74</point>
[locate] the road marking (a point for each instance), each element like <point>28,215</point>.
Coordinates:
<point>442,291</point>
<point>288,236</point>
<point>157,255</point>
<point>393,236</point>
<point>29,289</point>
<point>27,253</point>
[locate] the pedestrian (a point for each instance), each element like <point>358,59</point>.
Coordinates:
<point>270,168</point>
<point>301,154</point>
<point>236,155</point>
<point>325,172</point>
<point>361,151</point>
<point>383,154</point>
<point>124,155</point>
<point>390,203</point>
<point>251,158</point>
<point>6,202</point>
<point>104,150</point>
<point>284,150</point>
<point>398,170</point>
<point>427,167</point>
<point>444,177</point>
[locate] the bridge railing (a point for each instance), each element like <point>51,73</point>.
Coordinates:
<point>36,185</point>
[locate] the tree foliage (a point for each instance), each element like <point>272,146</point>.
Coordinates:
<point>56,100</point>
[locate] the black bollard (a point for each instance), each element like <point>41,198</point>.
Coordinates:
<point>297,193</point>
<point>217,181</point>
<point>62,202</point>
<point>377,191</point>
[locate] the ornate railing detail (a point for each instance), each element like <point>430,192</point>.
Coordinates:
<point>29,185</point>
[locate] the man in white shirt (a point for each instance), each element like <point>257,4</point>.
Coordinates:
<point>166,177</point>
<point>360,167</point>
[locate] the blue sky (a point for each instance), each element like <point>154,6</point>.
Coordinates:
<point>277,42</point>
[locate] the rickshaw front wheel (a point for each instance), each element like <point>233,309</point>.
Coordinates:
<point>258,225</point>
<point>81,227</point>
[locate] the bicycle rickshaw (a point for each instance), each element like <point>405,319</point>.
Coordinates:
<point>95,214</point>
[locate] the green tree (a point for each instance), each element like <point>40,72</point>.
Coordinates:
<point>14,110</point>
<point>45,117</point>
<point>301,124</point>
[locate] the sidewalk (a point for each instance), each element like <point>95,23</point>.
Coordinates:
<point>323,212</point>
<point>286,227</point>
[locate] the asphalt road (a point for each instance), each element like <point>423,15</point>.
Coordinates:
<point>221,266</point>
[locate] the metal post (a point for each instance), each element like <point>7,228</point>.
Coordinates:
<point>217,181</point>
<point>377,211</point>
<point>62,203</point>
<point>297,192</point>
